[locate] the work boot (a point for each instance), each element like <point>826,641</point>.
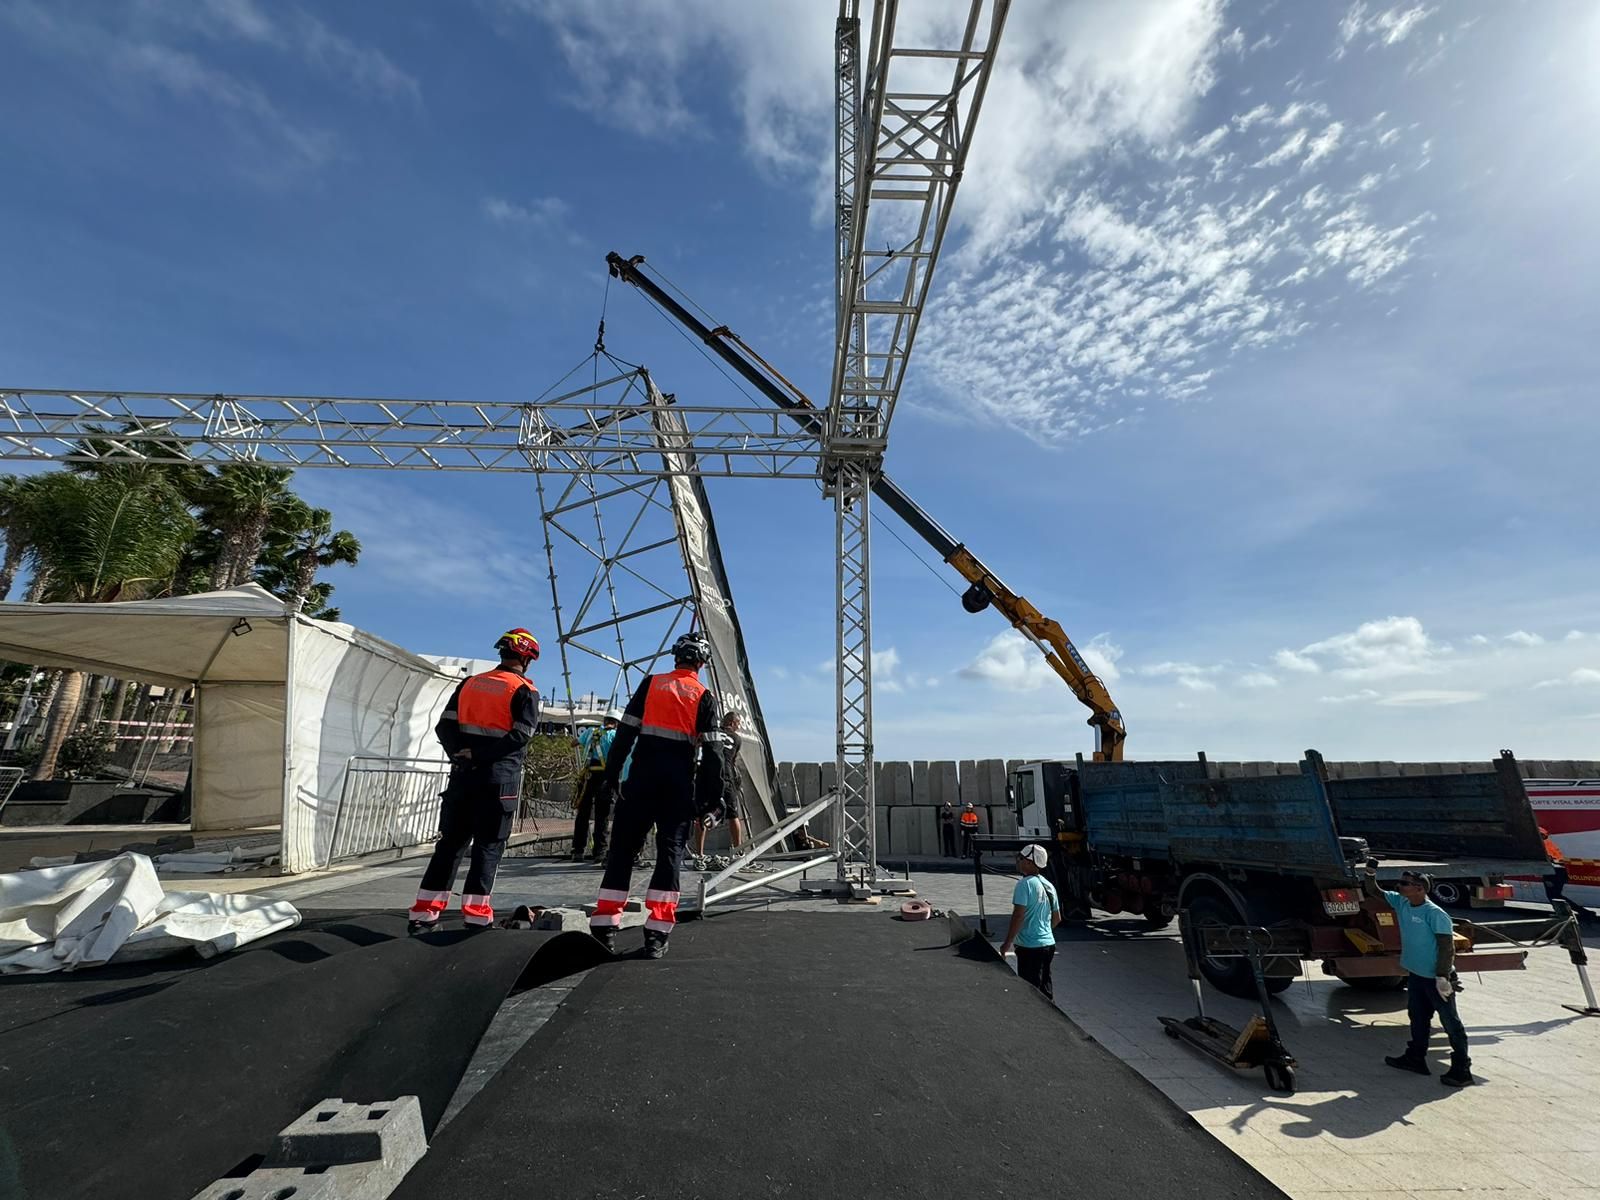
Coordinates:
<point>655,944</point>
<point>414,927</point>
<point>1459,1075</point>
<point>606,935</point>
<point>1408,1062</point>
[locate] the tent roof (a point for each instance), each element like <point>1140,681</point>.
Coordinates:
<point>238,635</point>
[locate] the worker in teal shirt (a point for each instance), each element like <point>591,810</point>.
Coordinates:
<point>594,799</point>
<point>1035,913</point>
<point>1427,952</point>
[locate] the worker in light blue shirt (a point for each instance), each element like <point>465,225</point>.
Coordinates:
<point>1035,913</point>
<point>593,797</point>
<point>1427,953</point>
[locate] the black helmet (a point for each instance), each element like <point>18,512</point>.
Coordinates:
<point>692,649</point>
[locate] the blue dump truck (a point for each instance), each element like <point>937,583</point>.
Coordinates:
<point>1282,849</point>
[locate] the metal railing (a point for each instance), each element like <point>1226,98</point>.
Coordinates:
<point>386,804</point>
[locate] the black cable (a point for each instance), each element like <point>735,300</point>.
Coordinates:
<point>937,574</point>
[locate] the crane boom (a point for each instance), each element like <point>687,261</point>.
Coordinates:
<point>984,586</point>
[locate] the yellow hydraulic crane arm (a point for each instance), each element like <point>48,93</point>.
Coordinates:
<point>1052,641</point>
<point>985,587</point>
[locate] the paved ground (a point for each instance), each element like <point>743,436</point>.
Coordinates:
<point>1354,1126</point>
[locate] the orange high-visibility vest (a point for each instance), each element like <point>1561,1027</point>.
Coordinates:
<point>672,706</point>
<point>969,818</point>
<point>484,707</point>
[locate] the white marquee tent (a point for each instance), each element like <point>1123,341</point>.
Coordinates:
<point>283,701</point>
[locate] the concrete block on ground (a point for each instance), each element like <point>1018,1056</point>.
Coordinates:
<point>894,783</point>
<point>788,792</point>
<point>881,815</point>
<point>1002,820</point>
<point>566,920</point>
<point>1389,770</point>
<point>1229,770</point>
<point>968,782</point>
<point>335,1151</point>
<point>943,784</point>
<point>919,783</point>
<point>991,782</point>
<point>828,774</point>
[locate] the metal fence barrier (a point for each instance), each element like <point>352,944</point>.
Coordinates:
<point>386,804</point>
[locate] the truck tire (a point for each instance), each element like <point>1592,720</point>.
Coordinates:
<point>1230,976</point>
<point>1450,892</point>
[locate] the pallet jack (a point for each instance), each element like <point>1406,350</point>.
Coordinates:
<point>1258,1043</point>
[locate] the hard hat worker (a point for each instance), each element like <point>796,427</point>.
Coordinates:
<point>732,799</point>
<point>669,719</point>
<point>969,826</point>
<point>485,730</point>
<point>594,797</point>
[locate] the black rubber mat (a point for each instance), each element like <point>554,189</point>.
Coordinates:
<point>819,1054</point>
<point>153,1089</point>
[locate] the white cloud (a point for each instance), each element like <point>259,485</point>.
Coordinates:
<point>1351,697</point>
<point>1324,144</point>
<point>1290,661</point>
<point>1428,699</point>
<point>544,211</point>
<point>1522,638</point>
<point>1478,639</point>
<point>1577,635</point>
<point>1258,679</point>
<point>1375,650</point>
<point>1010,662</point>
<point>1185,674</point>
<point>1102,654</point>
<point>1386,28</point>
<point>1585,677</point>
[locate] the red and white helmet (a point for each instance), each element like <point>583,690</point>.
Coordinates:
<point>519,642</point>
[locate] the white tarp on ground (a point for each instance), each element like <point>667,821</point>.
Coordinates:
<point>284,702</point>
<point>64,918</point>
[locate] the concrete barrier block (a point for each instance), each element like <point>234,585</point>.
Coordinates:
<point>808,782</point>
<point>919,783</point>
<point>991,782</point>
<point>894,784</point>
<point>1229,770</point>
<point>885,842</point>
<point>828,776</point>
<point>906,831</point>
<point>788,792</point>
<point>943,784</point>
<point>1001,820</point>
<point>967,777</point>
<point>1388,770</point>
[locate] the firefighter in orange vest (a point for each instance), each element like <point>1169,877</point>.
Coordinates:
<point>969,826</point>
<point>670,717</point>
<point>485,730</point>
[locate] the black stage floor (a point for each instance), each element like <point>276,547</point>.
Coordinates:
<point>819,1054</point>
<point>150,1081</point>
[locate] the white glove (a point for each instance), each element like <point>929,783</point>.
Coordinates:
<point>1445,990</point>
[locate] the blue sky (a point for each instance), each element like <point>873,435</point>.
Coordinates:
<point>1262,356</point>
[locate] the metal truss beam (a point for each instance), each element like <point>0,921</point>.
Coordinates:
<point>903,148</point>
<point>605,428</point>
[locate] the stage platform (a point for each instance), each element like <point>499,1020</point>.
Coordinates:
<point>817,1054</point>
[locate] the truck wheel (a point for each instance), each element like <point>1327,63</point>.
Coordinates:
<point>1449,893</point>
<point>1230,976</point>
<point>1376,983</point>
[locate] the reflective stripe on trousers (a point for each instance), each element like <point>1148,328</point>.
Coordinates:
<point>429,906</point>
<point>476,910</point>
<point>608,909</point>
<point>663,910</point>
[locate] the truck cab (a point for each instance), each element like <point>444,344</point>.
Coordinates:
<point>1041,794</point>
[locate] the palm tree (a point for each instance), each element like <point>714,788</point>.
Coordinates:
<point>95,538</point>
<point>13,496</point>
<point>318,544</point>
<point>240,501</point>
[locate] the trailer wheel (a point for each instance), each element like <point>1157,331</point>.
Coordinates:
<point>1280,1076</point>
<point>1449,892</point>
<point>1230,976</point>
